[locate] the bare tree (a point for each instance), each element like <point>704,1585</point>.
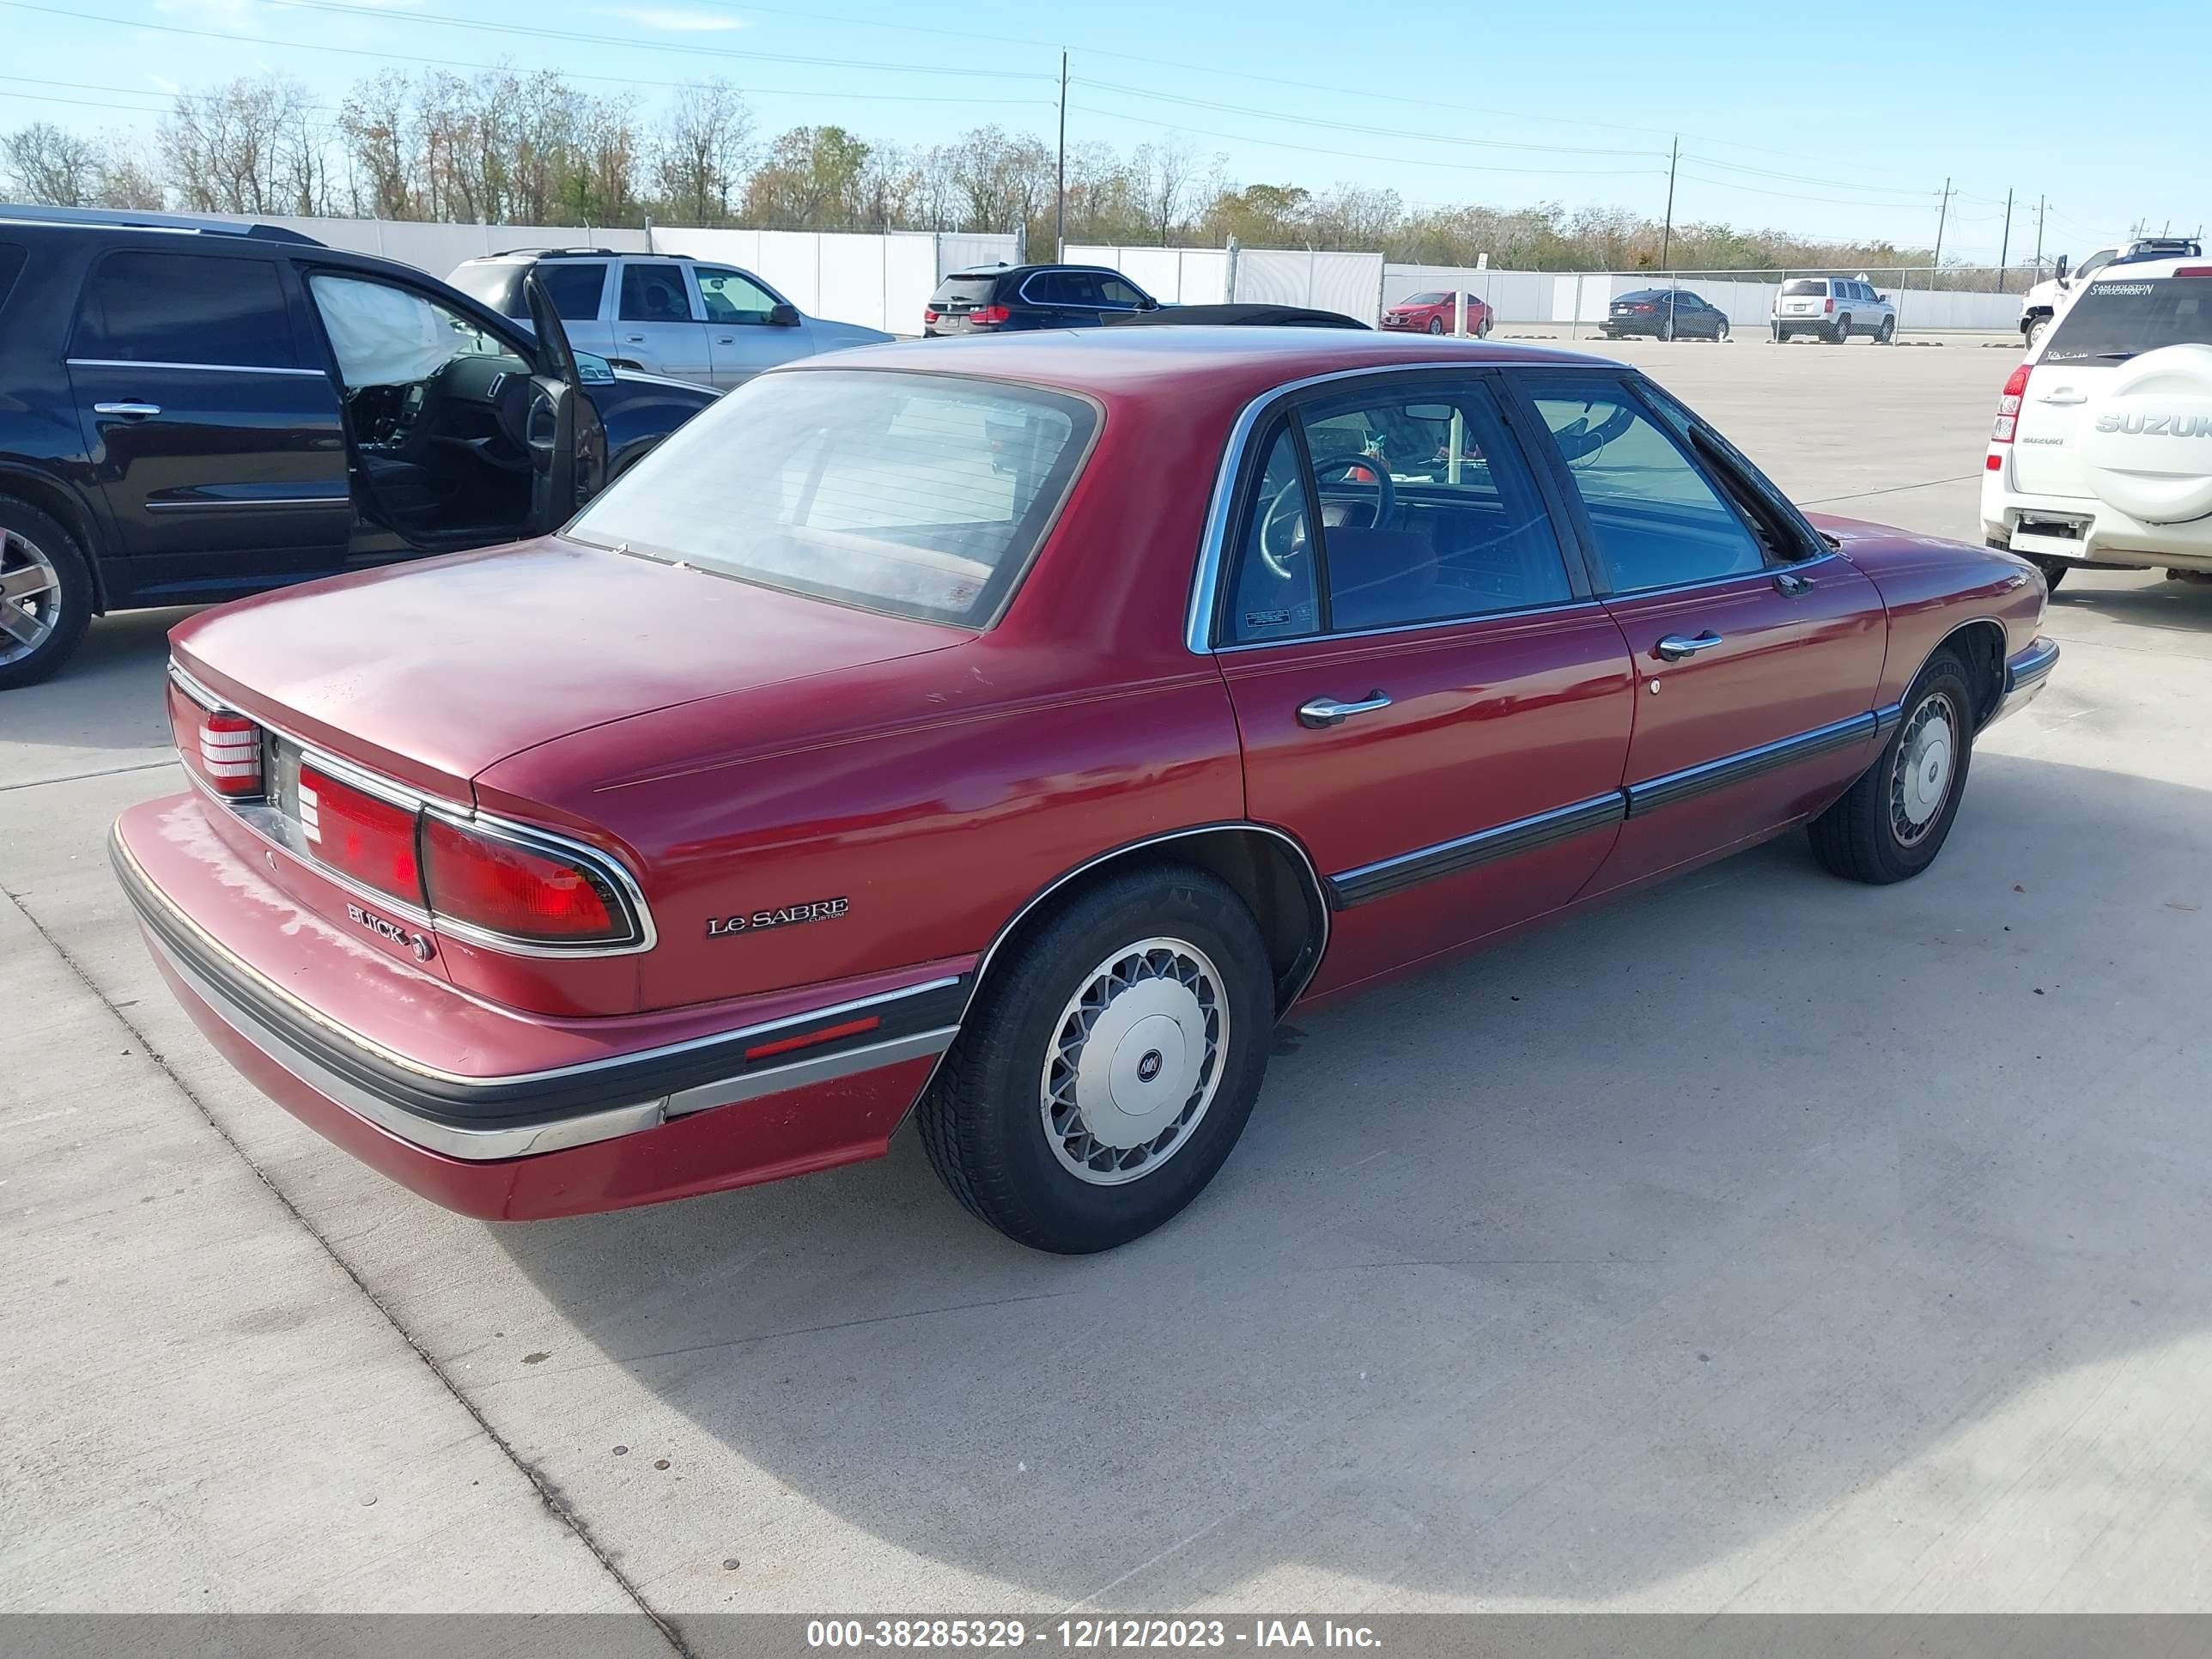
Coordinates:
<point>702,153</point>
<point>1164,174</point>
<point>49,165</point>
<point>251,147</point>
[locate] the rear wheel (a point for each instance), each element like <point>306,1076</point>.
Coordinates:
<point>2054,570</point>
<point>1890,825</point>
<point>1841,332</point>
<point>1108,1064</point>
<point>2036,330</point>
<point>1665,328</point>
<point>46,594</point>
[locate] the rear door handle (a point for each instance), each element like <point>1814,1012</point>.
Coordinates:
<point>1675,646</point>
<point>1324,712</point>
<point>135,411</point>
<point>2065,394</point>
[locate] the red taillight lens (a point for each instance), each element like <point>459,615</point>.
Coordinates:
<point>1829,307</point>
<point>515,891</point>
<point>985,316</point>
<point>360,835</point>
<point>2007,419</point>
<point>929,314</point>
<point>2194,271</point>
<point>223,749</point>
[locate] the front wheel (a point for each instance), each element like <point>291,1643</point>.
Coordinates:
<point>1108,1064</point>
<point>1893,822</point>
<point>1436,325</point>
<point>1720,333</point>
<point>1887,332</point>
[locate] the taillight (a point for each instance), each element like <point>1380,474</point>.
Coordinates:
<point>989,315</point>
<point>360,835</point>
<point>223,749</point>
<point>516,891</point>
<point>2194,271</point>
<point>2007,419</point>
<point>1830,306</point>
<point>929,313</point>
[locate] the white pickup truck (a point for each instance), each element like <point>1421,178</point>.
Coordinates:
<point>2043,304</point>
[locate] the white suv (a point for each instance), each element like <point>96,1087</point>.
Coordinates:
<point>2101,455</point>
<point>1833,308</point>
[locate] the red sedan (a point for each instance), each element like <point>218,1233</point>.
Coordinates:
<point>1436,312</point>
<point>906,737</point>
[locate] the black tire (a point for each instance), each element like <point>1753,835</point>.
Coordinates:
<point>33,540</point>
<point>1859,837</point>
<point>1665,328</point>
<point>1841,332</point>
<point>1436,325</point>
<point>983,1120</point>
<point>2034,331</point>
<point>1720,333</point>
<point>1887,334</point>
<point>2054,571</point>
<point>1781,334</point>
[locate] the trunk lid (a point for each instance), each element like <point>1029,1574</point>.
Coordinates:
<point>429,672</point>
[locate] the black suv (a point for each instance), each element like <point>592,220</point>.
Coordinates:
<point>197,410</point>
<point>999,299</point>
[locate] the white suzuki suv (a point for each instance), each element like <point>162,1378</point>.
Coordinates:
<point>2101,455</point>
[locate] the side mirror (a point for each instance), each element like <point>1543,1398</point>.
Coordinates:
<point>783,314</point>
<point>2061,271</point>
<point>1148,304</point>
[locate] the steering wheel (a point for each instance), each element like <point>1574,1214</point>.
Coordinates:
<point>1286,507</point>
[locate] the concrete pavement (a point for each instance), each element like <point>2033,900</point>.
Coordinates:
<point>1763,1243</point>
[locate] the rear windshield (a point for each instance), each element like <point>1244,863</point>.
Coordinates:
<point>2111,321</point>
<point>922,496</point>
<point>1431,298</point>
<point>499,286</point>
<point>966,290</point>
<point>1801,286</point>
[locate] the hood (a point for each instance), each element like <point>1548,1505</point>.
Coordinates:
<point>429,672</point>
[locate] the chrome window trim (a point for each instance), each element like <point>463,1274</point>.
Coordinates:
<point>1765,573</point>
<point>210,368</point>
<point>461,814</point>
<point>1518,614</point>
<point>1022,292</point>
<point>1213,543</point>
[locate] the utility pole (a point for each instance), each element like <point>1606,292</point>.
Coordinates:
<point>2039,238</point>
<point>1942,217</point>
<point>1060,175</point>
<point>2004,248</point>
<point>1667,236</point>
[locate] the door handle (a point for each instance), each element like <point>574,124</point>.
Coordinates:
<point>1324,712</point>
<point>1675,646</point>
<point>2065,394</point>
<point>725,339</point>
<point>633,340</point>
<point>135,411</point>
<point>1789,582</point>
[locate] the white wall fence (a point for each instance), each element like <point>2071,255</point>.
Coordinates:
<point>878,281</point>
<point>1575,298</point>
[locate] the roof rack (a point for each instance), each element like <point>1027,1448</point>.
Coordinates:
<point>559,252</point>
<point>133,219</point>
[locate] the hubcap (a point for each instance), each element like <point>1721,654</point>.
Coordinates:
<point>1135,1061</point>
<point>30,596</point>
<point>1927,756</point>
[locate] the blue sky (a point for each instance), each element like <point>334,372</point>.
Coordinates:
<point>1826,120</point>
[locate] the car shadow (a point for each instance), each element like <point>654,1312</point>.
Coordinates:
<point>2181,607</point>
<point>1591,1267</point>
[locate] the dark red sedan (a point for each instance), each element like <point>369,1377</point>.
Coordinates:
<point>1007,734</point>
<point>1436,312</point>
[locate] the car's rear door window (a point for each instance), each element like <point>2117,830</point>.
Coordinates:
<point>654,293</point>
<point>1657,520</point>
<point>2114,320</point>
<point>923,495</point>
<point>576,287</point>
<point>198,308</point>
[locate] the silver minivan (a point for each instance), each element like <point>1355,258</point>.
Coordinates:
<point>665,314</point>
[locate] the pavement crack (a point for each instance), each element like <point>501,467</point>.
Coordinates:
<point>81,777</point>
<point>548,1491</point>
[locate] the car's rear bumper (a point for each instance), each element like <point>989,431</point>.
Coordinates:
<point>2083,530</point>
<point>618,1115</point>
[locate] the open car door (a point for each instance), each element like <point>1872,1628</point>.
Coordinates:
<point>567,442</point>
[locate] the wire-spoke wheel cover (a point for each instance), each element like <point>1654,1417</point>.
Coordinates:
<point>1927,760</point>
<point>1135,1059</point>
<point>30,596</point>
